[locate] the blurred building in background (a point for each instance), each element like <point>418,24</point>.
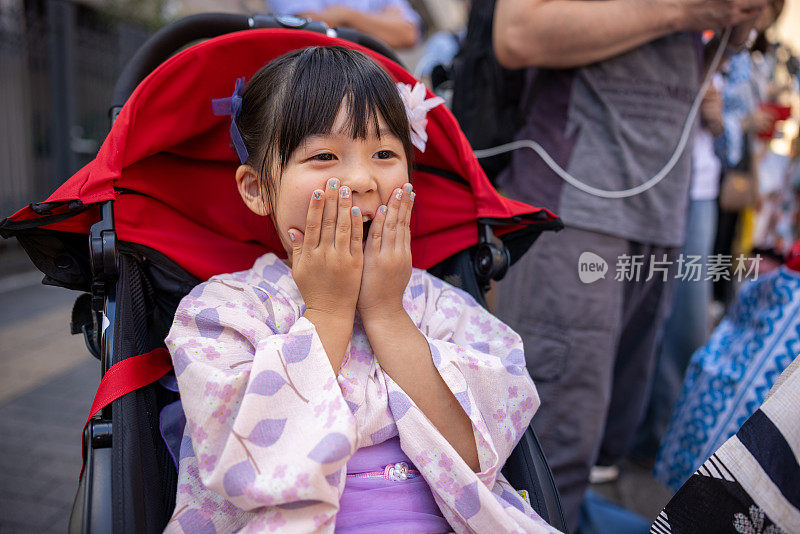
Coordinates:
<point>59,61</point>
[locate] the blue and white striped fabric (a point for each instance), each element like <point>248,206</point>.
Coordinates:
<point>728,378</point>
<point>752,483</point>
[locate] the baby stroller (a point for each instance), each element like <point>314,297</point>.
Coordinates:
<point>162,213</point>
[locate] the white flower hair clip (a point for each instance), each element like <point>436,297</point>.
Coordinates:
<point>416,109</point>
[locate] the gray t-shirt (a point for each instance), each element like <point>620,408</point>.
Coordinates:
<point>612,125</point>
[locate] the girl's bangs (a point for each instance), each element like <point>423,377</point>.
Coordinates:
<point>323,80</point>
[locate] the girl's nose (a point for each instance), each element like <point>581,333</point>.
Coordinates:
<point>359,180</point>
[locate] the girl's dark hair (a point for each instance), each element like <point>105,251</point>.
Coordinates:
<point>299,94</point>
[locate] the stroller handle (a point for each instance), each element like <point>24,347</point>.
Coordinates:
<point>176,35</point>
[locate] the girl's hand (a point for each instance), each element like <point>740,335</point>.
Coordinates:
<point>387,259</point>
<point>328,259</point>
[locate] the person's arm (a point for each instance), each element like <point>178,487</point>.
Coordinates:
<point>481,362</point>
<point>759,120</point>
<point>266,419</point>
<point>572,33</point>
<point>327,261</point>
<point>410,365</point>
<point>389,25</point>
<point>711,111</point>
<point>454,378</point>
<point>400,348</point>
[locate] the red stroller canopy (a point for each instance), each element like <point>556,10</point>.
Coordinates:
<point>168,164</point>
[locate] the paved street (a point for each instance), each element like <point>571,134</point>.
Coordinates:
<point>636,490</point>
<point>47,382</point>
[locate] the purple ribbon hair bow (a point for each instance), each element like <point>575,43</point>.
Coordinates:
<point>232,106</point>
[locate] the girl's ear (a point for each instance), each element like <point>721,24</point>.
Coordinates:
<point>247,182</point>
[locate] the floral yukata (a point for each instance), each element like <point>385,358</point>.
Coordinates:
<point>270,426</point>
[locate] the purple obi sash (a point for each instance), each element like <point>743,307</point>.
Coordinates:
<point>384,492</point>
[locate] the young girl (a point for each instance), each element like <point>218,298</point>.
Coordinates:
<point>340,388</point>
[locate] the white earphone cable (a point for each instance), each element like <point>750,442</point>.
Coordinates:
<point>652,182</point>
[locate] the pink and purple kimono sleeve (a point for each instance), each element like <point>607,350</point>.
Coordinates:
<point>268,431</point>
<point>482,362</point>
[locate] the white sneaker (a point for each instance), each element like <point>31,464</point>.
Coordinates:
<point>603,474</point>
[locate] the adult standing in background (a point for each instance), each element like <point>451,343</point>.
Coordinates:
<point>392,21</point>
<point>609,86</point>
<point>688,325</point>
<point>747,85</point>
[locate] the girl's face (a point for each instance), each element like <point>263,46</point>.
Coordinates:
<point>372,168</point>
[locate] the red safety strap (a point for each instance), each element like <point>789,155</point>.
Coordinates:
<point>126,376</point>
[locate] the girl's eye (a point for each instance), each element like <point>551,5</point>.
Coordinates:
<point>327,156</point>
<point>385,154</point>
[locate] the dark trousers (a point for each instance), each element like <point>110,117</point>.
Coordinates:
<point>723,244</point>
<point>588,346</point>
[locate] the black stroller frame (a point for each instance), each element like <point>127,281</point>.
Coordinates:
<point>129,479</point>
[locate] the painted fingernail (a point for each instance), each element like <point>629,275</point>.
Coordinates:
<point>291,235</point>
<point>333,183</point>
<point>382,209</point>
<point>355,211</point>
<point>413,195</point>
<point>408,188</point>
<point>345,192</point>
<point>318,194</point>
<point>398,194</point>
